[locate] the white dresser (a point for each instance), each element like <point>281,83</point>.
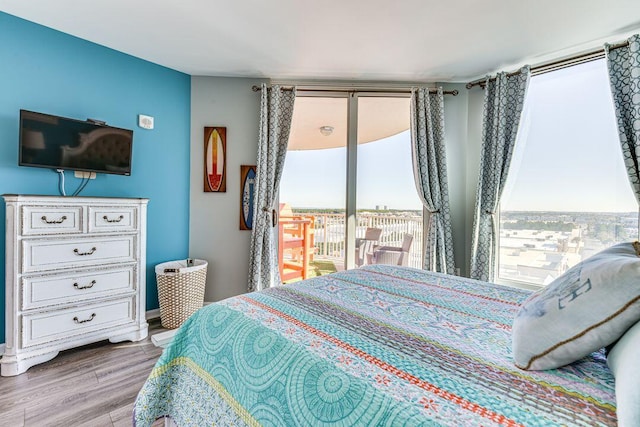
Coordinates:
<point>75,274</point>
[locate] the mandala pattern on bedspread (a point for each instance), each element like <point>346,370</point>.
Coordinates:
<point>380,345</point>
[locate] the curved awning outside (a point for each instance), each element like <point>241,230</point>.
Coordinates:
<point>378,118</point>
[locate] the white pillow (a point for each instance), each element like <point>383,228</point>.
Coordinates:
<point>623,360</point>
<point>588,307</point>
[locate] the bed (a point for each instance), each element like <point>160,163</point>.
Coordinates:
<point>379,345</point>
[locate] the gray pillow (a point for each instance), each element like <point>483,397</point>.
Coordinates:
<point>588,307</point>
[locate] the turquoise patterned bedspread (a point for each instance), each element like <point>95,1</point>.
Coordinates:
<point>376,346</point>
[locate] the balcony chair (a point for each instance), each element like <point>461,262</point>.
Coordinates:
<point>365,246</point>
<point>393,255</point>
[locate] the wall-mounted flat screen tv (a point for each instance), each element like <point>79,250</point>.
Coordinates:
<point>55,142</point>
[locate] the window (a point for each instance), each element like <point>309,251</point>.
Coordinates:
<point>567,195</point>
<point>386,191</point>
<point>348,168</point>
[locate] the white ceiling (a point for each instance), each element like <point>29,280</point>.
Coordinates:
<point>372,40</point>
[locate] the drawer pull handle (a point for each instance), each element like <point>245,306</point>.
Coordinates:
<point>89,286</point>
<point>93,249</point>
<point>120,218</point>
<point>54,221</point>
<point>75,319</point>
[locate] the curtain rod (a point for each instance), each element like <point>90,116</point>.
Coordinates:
<point>445,92</point>
<point>547,67</point>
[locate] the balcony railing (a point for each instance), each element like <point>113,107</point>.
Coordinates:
<point>329,233</point>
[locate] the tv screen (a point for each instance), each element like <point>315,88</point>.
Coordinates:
<point>54,142</point>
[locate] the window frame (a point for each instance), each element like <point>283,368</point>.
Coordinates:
<point>352,158</point>
<point>521,283</point>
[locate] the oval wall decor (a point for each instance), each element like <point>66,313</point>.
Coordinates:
<point>215,159</point>
<point>247,193</point>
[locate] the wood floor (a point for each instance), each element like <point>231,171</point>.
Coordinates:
<point>94,386</point>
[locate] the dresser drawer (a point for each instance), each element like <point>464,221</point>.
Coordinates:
<point>45,291</point>
<point>109,219</point>
<point>46,327</point>
<point>39,255</point>
<point>51,220</point>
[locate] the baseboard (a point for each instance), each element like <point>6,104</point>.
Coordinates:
<point>153,314</point>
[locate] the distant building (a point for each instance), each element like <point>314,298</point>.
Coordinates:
<point>538,256</point>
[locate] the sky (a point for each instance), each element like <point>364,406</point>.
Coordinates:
<point>568,137</point>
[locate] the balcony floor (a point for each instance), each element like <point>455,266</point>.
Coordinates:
<point>321,266</point>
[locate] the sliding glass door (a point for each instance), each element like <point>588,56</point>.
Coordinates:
<point>389,211</point>
<point>348,171</point>
<point>313,191</point>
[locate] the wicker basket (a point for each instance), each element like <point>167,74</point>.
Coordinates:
<point>180,290</point>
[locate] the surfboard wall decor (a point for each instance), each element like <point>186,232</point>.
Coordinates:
<point>247,192</point>
<point>215,159</point>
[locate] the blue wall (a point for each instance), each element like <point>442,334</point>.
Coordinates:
<point>51,72</point>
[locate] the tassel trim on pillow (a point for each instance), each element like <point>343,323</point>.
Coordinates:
<point>636,246</point>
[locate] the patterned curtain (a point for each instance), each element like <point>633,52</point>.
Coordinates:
<point>430,173</point>
<point>624,76</point>
<point>503,102</point>
<point>276,111</point>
